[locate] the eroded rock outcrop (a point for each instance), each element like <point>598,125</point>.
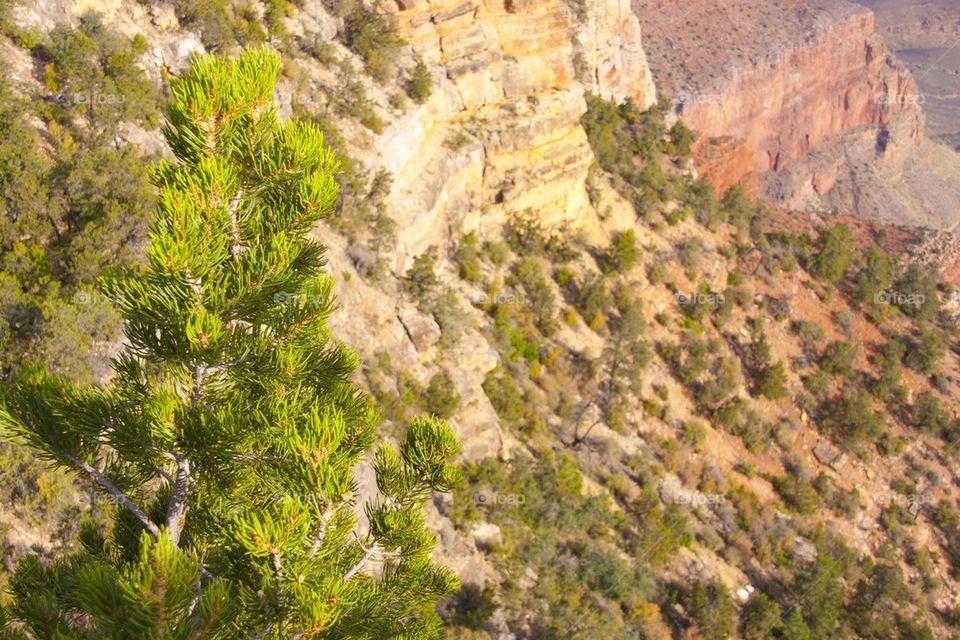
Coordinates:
<point>777,81</point>
<point>501,132</point>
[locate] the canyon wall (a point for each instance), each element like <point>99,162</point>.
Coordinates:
<point>501,132</point>
<point>765,85</point>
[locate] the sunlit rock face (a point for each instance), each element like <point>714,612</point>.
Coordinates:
<point>501,132</point>
<point>777,80</point>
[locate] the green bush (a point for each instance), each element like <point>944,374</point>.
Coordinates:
<point>94,72</point>
<point>917,294</point>
<point>695,434</point>
<point>467,255</point>
<point>927,414</point>
<point>623,252</point>
<point>421,281</point>
<point>770,381</point>
<point>797,492</point>
<point>505,397</point>
<point>927,352</point>
<point>593,298</point>
<point>440,397</point>
<point>372,34</point>
<point>837,358</point>
<point>737,209</point>
<point>472,607</point>
<point>874,280</point>
<point>711,608</point>
<point>853,418</point>
<point>681,140</point>
<point>420,84</point>
<point>211,18</point>
<point>834,253</point>
<point>887,386</point>
<point>540,299</point>
<point>761,618</point>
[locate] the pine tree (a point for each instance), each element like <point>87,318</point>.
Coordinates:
<point>228,435</point>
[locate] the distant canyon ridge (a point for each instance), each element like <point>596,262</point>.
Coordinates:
<point>806,104</point>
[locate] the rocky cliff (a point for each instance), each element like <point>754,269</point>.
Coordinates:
<point>924,35</point>
<point>787,96</point>
<point>508,105</point>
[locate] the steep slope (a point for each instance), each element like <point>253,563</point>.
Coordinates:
<point>660,404</point>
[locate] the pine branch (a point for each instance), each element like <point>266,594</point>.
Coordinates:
<point>236,248</point>
<point>322,529</point>
<point>199,375</point>
<point>113,490</point>
<point>166,476</point>
<point>360,564</point>
<point>177,507</point>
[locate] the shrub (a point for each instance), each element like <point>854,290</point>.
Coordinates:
<point>795,627</point>
<point>928,351</point>
<point>419,86</point>
<point>690,255</point>
<point>853,418</point>
<point>736,208</point>
<point>797,492</point>
<point>623,252</point>
<point>593,299</point>
<point>372,34</point>
<point>837,358</point>
<point>467,256</point>
<point>927,414</point>
<point>711,608</point>
<point>770,381</point>
<point>681,140</point>
<point>917,294</point>
<point>887,386</point>
<point>472,607</point>
<point>505,397</point>
<point>95,72</point>
<point>210,17</point>
<point>873,280</point>
<point>540,299</point>
<point>440,397</point>
<point>695,434</point>
<point>761,617</point>
<point>421,280</point>
<point>834,253</point>
<point>810,333</point>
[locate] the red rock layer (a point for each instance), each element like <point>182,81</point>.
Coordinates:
<point>782,77</point>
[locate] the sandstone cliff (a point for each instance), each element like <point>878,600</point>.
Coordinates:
<point>780,78</point>
<point>802,101</point>
<point>501,133</point>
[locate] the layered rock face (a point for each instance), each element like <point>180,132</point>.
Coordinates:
<point>501,132</point>
<point>778,80</point>
<point>924,34</point>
